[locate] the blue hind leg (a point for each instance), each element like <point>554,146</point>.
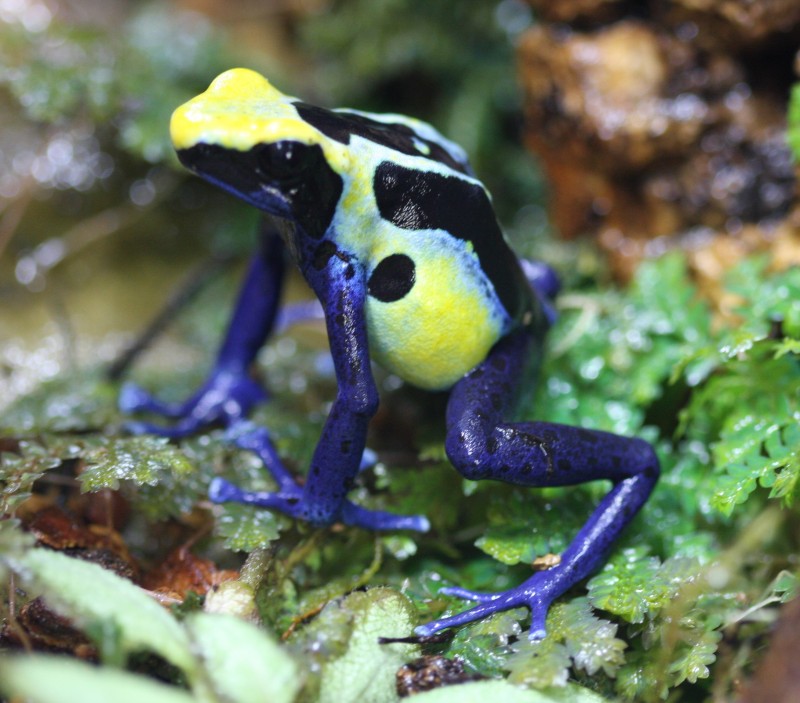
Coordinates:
<point>482,446</point>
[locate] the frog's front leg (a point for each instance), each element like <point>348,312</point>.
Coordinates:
<point>229,392</point>
<point>322,501</point>
<point>482,446</point>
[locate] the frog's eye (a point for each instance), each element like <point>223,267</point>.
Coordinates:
<point>283,161</point>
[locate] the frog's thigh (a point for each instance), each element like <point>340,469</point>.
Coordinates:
<point>482,445</point>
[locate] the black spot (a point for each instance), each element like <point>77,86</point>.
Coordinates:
<point>413,199</point>
<point>564,465</point>
<point>491,445</point>
<point>392,278</point>
<point>345,446</point>
<point>323,254</point>
<point>339,319</point>
<point>587,435</point>
<point>349,272</point>
<point>342,125</point>
<point>496,400</point>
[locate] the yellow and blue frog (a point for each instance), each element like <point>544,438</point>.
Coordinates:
<point>399,242</point>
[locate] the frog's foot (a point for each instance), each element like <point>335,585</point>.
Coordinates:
<point>537,593</point>
<point>289,500</point>
<point>225,398</point>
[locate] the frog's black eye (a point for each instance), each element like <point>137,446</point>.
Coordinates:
<point>283,161</point>
<point>392,278</point>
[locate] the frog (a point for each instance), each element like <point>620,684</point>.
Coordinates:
<point>398,240</point>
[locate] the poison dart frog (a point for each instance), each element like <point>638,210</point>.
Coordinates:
<point>398,240</point>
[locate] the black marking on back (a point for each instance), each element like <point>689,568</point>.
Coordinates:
<point>392,278</point>
<point>413,199</point>
<point>340,126</point>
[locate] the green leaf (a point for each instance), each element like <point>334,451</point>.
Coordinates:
<point>242,662</point>
<point>694,659</point>
<point>591,642</point>
<point>75,402</point>
<point>539,664</point>
<point>628,586</point>
<point>19,470</point>
<point>144,460</point>
<point>50,679</point>
<point>169,484</point>
<point>246,527</point>
<point>366,670</point>
<point>525,525</point>
<point>575,638</point>
<point>13,544</point>
<point>793,131</point>
<point>482,691</point>
<point>100,601</point>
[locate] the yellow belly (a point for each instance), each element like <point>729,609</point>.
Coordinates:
<point>444,326</point>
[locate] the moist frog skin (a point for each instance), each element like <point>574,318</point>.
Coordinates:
<point>399,242</point>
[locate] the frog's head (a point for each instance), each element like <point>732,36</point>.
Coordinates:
<point>245,136</point>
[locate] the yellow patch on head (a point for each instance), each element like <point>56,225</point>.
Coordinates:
<point>240,110</point>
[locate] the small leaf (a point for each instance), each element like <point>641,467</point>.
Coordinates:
<point>539,664</point>
<point>247,528</point>
<point>50,679</point>
<point>694,660</point>
<point>483,691</point>
<point>74,402</point>
<point>366,670</point>
<point>242,662</point>
<point>98,599</point>
<point>628,586</point>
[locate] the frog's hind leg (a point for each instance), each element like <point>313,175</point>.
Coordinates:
<point>482,446</point>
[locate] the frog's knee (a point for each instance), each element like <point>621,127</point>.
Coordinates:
<point>468,451</point>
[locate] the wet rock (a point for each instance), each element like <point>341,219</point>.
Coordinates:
<point>650,138</point>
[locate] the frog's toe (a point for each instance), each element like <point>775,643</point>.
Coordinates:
<point>479,612</point>
<point>287,502</point>
<point>535,596</point>
<point>135,399</point>
<point>222,491</point>
<point>466,594</point>
<point>357,516</point>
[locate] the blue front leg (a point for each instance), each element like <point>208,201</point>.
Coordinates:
<point>482,446</point>
<point>337,458</point>
<point>229,392</point>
